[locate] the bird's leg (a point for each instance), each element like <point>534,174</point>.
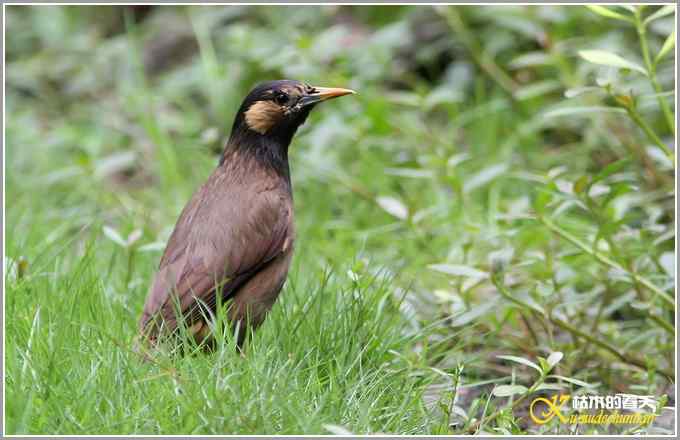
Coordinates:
<point>202,334</point>
<point>240,335</point>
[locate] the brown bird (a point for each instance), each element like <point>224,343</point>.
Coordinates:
<point>233,242</point>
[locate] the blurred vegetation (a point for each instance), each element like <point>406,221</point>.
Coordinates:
<point>503,185</point>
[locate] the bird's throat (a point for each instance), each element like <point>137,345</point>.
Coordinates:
<point>267,152</point>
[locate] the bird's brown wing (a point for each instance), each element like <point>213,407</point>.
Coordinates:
<point>228,232</point>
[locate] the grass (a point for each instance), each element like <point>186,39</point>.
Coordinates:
<point>489,193</point>
<point>334,342</point>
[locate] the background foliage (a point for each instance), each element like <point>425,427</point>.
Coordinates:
<point>503,185</point>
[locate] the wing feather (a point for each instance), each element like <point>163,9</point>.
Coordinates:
<point>229,231</point>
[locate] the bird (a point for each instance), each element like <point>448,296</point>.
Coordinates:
<point>233,241</point>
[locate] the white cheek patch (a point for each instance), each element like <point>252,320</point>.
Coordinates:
<point>263,115</point>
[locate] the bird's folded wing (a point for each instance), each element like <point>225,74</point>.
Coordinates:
<point>219,243</point>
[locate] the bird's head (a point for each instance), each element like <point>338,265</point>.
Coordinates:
<point>274,110</point>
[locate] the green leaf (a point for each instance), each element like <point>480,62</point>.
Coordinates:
<point>607,229</point>
<point>581,184</point>
<point>668,46</point>
<point>133,237</point>
<point>156,246</point>
<point>573,381</point>
<point>554,358</point>
<point>459,270</point>
<point>610,169</point>
<point>531,59</point>
<point>393,206</point>
<point>549,386</point>
<point>576,91</point>
<point>610,59</point>
<point>570,111</point>
<point>509,390</point>
<point>531,302</point>
<point>114,236</point>
<point>543,198</point>
<point>472,314</point>
<point>537,89</point>
<point>415,173</point>
<point>336,429</point>
<point>606,12</point>
<point>114,163</point>
<point>521,360</point>
<point>639,305</point>
<point>484,176</point>
<point>628,8</point>
<point>661,12</point>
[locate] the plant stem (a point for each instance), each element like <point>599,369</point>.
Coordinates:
<point>662,322</point>
<point>651,71</point>
<point>476,51</point>
<point>598,315</point>
<point>607,261</point>
<point>530,329</point>
<point>624,357</point>
<point>635,116</point>
<point>497,413</point>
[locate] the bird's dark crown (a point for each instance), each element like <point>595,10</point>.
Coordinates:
<point>271,114</point>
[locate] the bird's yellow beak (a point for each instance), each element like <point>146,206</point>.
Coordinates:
<point>323,93</point>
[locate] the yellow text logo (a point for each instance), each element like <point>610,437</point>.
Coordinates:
<point>553,408</point>
<point>543,409</point>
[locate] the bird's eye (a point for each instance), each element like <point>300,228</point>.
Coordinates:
<point>281,98</point>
